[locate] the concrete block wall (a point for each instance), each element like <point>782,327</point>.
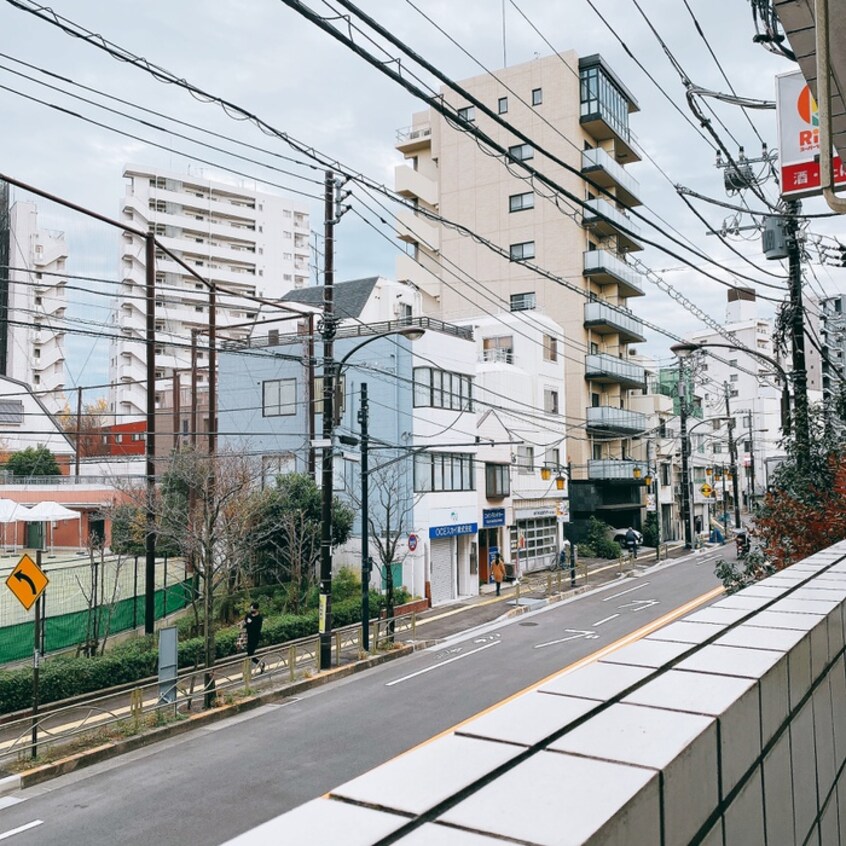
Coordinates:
<point>726,728</point>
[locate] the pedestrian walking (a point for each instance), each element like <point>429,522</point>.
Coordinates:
<point>498,572</point>
<point>252,626</point>
<point>631,542</point>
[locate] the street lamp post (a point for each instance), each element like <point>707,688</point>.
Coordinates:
<point>413,333</point>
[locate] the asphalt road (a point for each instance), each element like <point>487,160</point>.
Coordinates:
<point>211,784</point>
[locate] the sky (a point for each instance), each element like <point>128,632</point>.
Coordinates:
<point>263,56</point>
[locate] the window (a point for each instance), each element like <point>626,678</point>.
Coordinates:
<point>497,481</point>
<point>525,459</point>
<point>747,446</point>
<point>550,401</point>
<point>443,471</point>
<point>521,152</point>
<point>594,348</point>
<point>467,114</point>
<point>553,457</point>
<point>340,395</point>
<point>733,393</point>
<point>520,202</point>
<point>502,105</point>
<point>733,377</point>
<point>11,412</point>
<point>550,348</point>
<point>732,362</point>
<point>537,96</point>
<point>523,302</point>
<point>600,96</point>
<point>279,397</point>
<point>498,349</point>
<point>540,539</point>
<point>718,448</point>
<point>441,389</point>
<point>522,251</point>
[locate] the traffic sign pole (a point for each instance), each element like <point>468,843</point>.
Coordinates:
<point>36,660</point>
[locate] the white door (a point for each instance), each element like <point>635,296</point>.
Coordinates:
<point>443,575</point>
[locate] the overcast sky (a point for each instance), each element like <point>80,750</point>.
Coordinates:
<point>265,57</point>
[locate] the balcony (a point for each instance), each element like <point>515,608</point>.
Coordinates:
<point>412,184</point>
<point>604,319</point>
<point>605,418</point>
<point>619,469</point>
<point>497,357</point>
<point>605,220</point>
<point>415,229</point>
<point>410,139</point>
<point>607,369</point>
<point>605,268</point>
<point>604,171</point>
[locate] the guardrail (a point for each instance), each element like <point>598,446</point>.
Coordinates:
<point>127,711</point>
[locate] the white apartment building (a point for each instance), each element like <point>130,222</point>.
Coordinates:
<point>754,397</point>
<point>35,337</point>
<point>520,398</point>
<point>579,111</point>
<point>244,241</point>
<point>832,335</point>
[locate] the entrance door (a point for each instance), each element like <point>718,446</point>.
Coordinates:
<point>34,538</point>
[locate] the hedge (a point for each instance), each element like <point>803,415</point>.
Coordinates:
<point>61,677</point>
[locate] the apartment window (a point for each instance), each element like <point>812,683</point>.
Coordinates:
<point>718,448</point>
<point>521,252</point>
<point>441,389</point>
<point>550,401</point>
<point>498,349</point>
<point>467,114</point>
<point>733,377</point>
<point>597,452</point>
<point>525,459</point>
<point>279,397</point>
<point>497,481</point>
<point>502,105</point>
<point>444,471</point>
<point>521,152</point>
<point>340,395</point>
<point>11,412</point>
<point>594,348</point>
<point>520,202</point>
<point>523,302</point>
<point>550,348</point>
<point>537,96</point>
<point>732,362</point>
<point>733,393</point>
<point>37,352</point>
<point>553,457</point>
<point>747,446</point>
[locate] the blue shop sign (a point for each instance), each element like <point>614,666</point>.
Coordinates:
<point>436,532</point>
<point>492,517</point>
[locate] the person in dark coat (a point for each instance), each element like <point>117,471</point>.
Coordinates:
<point>252,626</point>
<point>631,542</point>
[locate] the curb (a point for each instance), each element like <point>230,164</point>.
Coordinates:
<point>112,749</point>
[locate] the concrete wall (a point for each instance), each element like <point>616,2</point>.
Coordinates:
<point>727,727</point>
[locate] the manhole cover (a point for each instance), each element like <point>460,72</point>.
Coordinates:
<point>528,623</point>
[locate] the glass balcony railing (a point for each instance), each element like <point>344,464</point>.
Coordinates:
<point>601,367</point>
<point>606,418</point>
<point>605,267</point>
<point>612,468</point>
<point>604,318</point>
<point>603,218</point>
<point>597,162</point>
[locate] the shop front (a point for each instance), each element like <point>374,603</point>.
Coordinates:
<point>534,538</point>
<point>451,552</point>
<point>490,541</point>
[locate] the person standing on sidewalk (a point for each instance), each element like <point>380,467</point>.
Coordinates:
<point>252,626</point>
<point>498,572</point>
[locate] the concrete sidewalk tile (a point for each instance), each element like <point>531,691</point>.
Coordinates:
<point>739,601</point>
<point>596,681</point>
<point>647,653</point>
<point>553,798</point>
<point>803,605</point>
<point>682,746</point>
<point>685,632</point>
<point>786,620</point>
<point>756,637</point>
<point>710,614</point>
<point>768,591</point>
<point>417,781</point>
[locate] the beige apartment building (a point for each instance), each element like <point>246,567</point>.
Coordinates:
<point>578,111</point>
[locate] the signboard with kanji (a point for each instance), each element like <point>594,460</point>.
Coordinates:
<point>27,581</point>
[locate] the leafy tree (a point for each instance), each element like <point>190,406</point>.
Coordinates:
<point>33,461</point>
<point>598,539</point>
<point>86,429</point>
<point>650,529</point>
<point>288,525</point>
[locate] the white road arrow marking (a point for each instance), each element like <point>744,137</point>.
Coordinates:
<point>624,592</point>
<point>12,832</point>
<point>640,604</point>
<point>575,634</point>
<point>605,620</point>
<point>443,663</point>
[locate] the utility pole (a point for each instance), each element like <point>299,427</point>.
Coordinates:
<point>751,463</point>
<point>797,334</point>
<point>685,445</point>
<point>150,441</point>
<point>327,330</point>
<point>735,482</point>
<point>363,419</point>
<point>652,456</point>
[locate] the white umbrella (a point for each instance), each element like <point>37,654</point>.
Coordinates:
<point>50,511</point>
<point>12,512</point>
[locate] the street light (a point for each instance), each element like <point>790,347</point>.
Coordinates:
<point>413,333</point>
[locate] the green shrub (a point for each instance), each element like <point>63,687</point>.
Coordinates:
<point>598,538</point>
<point>650,530</point>
<point>585,550</point>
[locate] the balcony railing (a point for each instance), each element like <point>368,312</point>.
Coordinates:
<point>605,267</point>
<point>499,356</point>
<point>613,468</point>
<point>600,367</point>
<point>604,318</point>
<point>601,216</point>
<point>609,419</point>
<point>418,135</point>
<point>605,171</point>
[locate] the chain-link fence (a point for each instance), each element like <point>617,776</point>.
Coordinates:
<point>85,598</point>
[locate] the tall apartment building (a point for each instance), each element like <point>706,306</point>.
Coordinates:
<point>34,295</point>
<point>832,327</point>
<point>245,241</point>
<point>578,110</point>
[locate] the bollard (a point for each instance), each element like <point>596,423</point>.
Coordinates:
<point>517,594</point>
<point>292,663</point>
<point>414,625</point>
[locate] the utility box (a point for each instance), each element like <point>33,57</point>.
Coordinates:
<point>774,239</point>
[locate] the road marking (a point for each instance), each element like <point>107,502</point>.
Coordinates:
<point>13,831</point>
<point>643,603</point>
<point>575,635</point>
<point>443,663</point>
<point>624,592</point>
<point>607,619</point>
